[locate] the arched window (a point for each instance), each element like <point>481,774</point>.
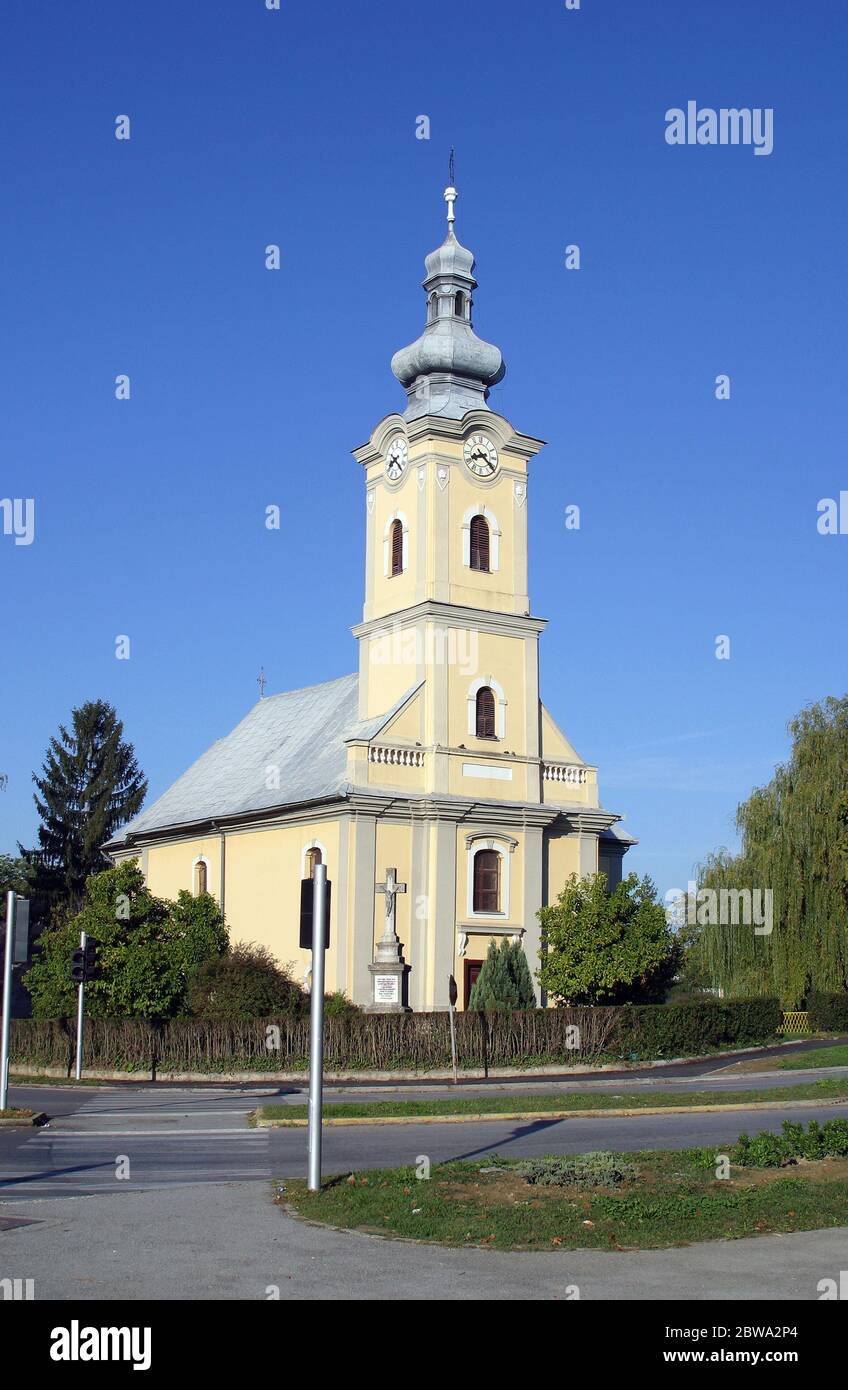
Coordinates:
<point>200,877</point>
<point>434,308</point>
<point>487,881</point>
<point>459,304</point>
<point>485,712</point>
<point>479,543</point>
<point>313,857</point>
<point>396,548</point>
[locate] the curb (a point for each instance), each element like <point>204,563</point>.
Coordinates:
<point>24,1121</point>
<point>620,1114</point>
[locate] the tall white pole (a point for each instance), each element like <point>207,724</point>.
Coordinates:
<point>7,997</point>
<point>80,1013</point>
<point>316,1026</point>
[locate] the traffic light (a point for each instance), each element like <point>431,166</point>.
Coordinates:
<point>90,959</point>
<point>84,963</point>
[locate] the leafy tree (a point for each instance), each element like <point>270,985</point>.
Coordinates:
<point>14,876</point>
<point>90,786</point>
<point>693,978</point>
<point>148,948</point>
<point>607,947</point>
<point>247,982</point>
<point>794,841</point>
<point>504,981</point>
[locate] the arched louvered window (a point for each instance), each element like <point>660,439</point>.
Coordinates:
<point>200,877</point>
<point>459,304</point>
<point>313,857</point>
<point>397,548</point>
<point>434,308</point>
<point>487,881</point>
<point>479,543</point>
<point>485,713</point>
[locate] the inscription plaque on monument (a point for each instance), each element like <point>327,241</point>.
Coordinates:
<point>386,989</point>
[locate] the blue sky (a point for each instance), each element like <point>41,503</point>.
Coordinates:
<point>250,387</point>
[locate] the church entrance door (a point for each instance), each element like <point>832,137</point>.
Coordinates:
<point>472,970</point>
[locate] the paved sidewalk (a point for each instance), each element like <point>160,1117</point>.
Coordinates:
<point>229,1241</point>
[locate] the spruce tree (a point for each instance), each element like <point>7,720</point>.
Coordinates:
<point>504,981</point>
<point>90,785</point>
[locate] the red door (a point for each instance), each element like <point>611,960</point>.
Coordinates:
<point>472,970</point>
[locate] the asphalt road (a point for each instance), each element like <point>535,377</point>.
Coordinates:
<point>100,1141</point>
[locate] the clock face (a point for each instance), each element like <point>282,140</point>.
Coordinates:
<point>481,455</point>
<point>397,459</point>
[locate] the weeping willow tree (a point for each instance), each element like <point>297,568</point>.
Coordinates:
<point>794,841</point>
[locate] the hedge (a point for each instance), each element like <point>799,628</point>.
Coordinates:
<point>670,1030</point>
<point>828,1012</point>
<point>419,1042</point>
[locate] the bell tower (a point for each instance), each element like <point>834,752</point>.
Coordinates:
<point>446,590</point>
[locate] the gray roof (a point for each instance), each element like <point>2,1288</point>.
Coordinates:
<point>301,734</point>
<point>617,832</point>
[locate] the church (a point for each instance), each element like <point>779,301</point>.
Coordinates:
<point>433,783</point>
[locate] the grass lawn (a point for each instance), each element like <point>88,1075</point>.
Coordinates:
<point>819,1057</point>
<point>674,1199</point>
<point>826,1089</point>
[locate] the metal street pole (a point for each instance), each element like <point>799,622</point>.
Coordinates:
<point>452,1008</point>
<point>7,997</point>
<point>316,1026</point>
<point>80,1014</point>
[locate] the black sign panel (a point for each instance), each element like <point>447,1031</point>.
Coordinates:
<point>307,892</point>
<point>20,940</point>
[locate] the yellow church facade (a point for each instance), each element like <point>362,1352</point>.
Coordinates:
<point>437,759</point>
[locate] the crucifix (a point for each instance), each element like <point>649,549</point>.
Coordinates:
<point>391,888</point>
<point>260,681</point>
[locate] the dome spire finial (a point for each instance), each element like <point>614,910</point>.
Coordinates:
<point>451,194</point>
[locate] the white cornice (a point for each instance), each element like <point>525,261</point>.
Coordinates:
<point>454,615</point>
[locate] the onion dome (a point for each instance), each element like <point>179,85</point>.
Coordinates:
<point>448,370</point>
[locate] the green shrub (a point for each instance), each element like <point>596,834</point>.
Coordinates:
<point>598,1169</point>
<point>337,1005</point>
<point>835,1138</point>
<point>504,981</point>
<point>763,1151</point>
<point>828,1012</point>
<point>795,1141</point>
<point>245,983</point>
<point>676,1030</point>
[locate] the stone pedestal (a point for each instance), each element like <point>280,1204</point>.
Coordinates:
<point>389,974</point>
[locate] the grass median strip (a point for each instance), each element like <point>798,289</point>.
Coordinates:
<point>672,1198</point>
<point>452,1108</point>
<point>819,1057</point>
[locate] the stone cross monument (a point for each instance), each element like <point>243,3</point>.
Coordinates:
<point>388,970</point>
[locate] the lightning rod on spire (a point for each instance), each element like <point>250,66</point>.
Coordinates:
<point>451,193</point>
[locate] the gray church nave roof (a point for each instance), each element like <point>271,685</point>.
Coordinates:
<point>294,741</point>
